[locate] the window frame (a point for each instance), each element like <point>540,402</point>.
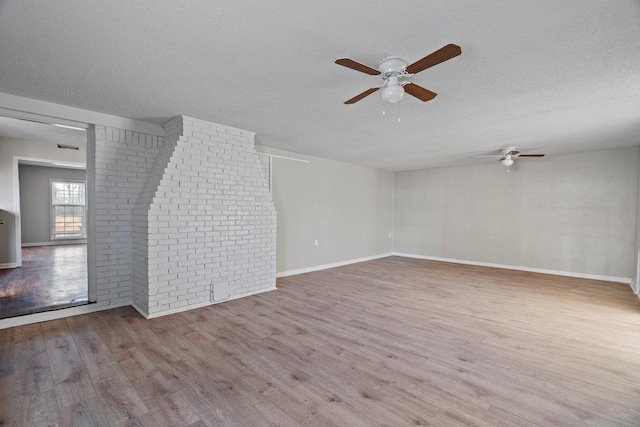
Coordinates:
<point>52,208</point>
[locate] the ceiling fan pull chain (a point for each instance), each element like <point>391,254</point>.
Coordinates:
<point>396,110</point>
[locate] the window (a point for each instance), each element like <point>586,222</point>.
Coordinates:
<point>68,212</point>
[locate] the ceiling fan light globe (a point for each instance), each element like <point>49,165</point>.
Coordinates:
<point>393,94</point>
<point>507,162</point>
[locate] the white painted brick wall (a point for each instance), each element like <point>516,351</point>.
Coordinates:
<point>204,216</point>
<point>122,161</point>
<point>174,217</point>
<point>143,222</point>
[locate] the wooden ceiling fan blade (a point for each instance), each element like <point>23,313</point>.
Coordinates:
<point>531,155</point>
<point>419,92</point>
<point>437,57</point>
<point>362,95</point>
<point>350,63</point>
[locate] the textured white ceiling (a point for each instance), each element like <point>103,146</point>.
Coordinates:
<point>41,132</point>
<point>544,75</point>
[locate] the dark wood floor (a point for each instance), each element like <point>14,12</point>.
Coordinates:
<point>391,342</point>
<point>51,277</point>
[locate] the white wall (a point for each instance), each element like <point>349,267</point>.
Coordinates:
<point>10,148</point>
<point>573,213</point>
<point>636,253</point>
<point>347,208</point>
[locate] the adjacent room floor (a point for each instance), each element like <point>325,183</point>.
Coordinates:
<point>391,342</point>
<point>51,277</point>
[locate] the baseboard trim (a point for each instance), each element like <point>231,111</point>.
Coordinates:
<point>206,304</point>
<point>519,268</point>
<point>635,288</point>
<point>9,265</point>
<point>55,314</point>
<point>332,265</point>
<point>93,307</point>
<point>56,243</point>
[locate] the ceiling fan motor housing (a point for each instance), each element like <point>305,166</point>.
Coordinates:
<point>391,64</point>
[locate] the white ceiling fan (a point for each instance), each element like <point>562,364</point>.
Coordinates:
<point>394,73</point>
<point>509,154</point>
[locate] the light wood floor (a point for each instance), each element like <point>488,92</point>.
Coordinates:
<point>392,342</point>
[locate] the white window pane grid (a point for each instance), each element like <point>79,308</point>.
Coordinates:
<point>68,193</point>
<point>68,209</point>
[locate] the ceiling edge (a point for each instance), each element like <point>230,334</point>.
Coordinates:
<point>33,109</point>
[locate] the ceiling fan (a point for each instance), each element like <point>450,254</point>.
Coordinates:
<point>394,71</point>
<point>510,153</point>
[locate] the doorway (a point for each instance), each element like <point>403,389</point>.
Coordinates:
<point>43,246</point>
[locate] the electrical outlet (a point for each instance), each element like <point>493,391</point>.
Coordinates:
<point>1,221</point>
<point>315,242</point>
<point>389,235</point>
